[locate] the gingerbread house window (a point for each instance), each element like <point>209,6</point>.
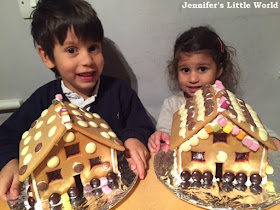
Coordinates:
<point>241,157</point>
<point>220,137</point>
<point>54,175</point>
<point>95,161</point>
<point>198,156</point>
<point>71,150</point>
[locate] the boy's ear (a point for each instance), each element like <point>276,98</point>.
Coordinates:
<point>45,57</point>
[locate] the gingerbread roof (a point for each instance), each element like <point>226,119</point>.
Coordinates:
<point>214,107</point>
<point>50,128</point>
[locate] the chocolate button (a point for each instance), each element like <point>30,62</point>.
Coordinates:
<point>97,192</point>
<point>113,185</point>
<point>241,178</point>
<point>54,199</point>
<point>34,124</point>
<point>106,166</point>
<point>241,187</point>
<point>78,167</point>
<point>191,125</point>
<point>228,177</point>
<point>196,176</point>
<point>22,170</point>
<point>256,179</point>
<point>208,111</point>
<point>73,192</point>
<point>196,184</point>
<point>42,186</point>
<point>38,147</point>
<point>87,188</point>
<point>255,189</point>
<point>95,183</point>
<point>207,177</point>
<point>31,201</point>
<point>118,142</point>
<point>185,176</point>
<point>227,187</point>
<point>111,176</point>
<point>184,185</point>
<point>80,117</point>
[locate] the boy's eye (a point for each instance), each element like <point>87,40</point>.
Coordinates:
<point>71,50</point>
<point>92,48</point>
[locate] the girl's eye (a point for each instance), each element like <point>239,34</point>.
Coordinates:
<point>202,69</point>
<point>185,70</point>
<point>71,50</point>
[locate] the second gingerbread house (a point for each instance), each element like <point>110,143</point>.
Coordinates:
<point>215,133</point>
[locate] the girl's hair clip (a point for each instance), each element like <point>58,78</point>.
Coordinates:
<point>222,46</point>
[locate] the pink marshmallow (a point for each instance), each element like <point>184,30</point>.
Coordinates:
<point>225,104</point>
<point>247,142</point>
<point>222,121</point>
<point>59,96</point>
<point>218,82</point>
<point>107,190</point>
<point>222,100</point>
<point>103,181</point>
<point>235,130</point>
<point>255,145</point>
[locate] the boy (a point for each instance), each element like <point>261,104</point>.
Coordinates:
<point>69,36</point>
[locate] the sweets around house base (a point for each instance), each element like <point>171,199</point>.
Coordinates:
<point>219,145</point>
<point>68,154</point>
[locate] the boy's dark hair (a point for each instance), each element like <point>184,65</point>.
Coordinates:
<point>203,39</point>
<point>53,18</point>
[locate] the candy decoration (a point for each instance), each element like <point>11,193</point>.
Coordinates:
<point>103,181</point>
<point>241,135</point>
<point>216,127</point>
<point>222,156</point>
<point>59,96</point>
<point>247,141</point>
<point>208,128</point>
<point>222,100</point>
<point>235,130</point>
<point>227,128</point>
<point>225,104</point>
<point>255,145</point>
<point>222,121</point>
<point>106,189</point>
<point>269,169</point>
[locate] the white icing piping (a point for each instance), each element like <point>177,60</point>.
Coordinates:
<point>113,159</point>
<point>262,161</point>
<point>180,161</point>
<point>35,188</point>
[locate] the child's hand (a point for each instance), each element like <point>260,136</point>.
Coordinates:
<point>9,180</point>
<point>137,156</point>
<point>277,144</point>
<point>155,140</point>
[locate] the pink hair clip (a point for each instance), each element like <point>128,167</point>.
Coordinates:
<point>221,43</point>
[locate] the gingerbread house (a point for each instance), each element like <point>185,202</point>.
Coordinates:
<point>66,146</point>
<point>218,133</point>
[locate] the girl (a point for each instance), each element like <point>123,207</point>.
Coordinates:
<point>200,57</point>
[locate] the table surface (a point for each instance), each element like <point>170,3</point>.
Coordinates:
<point>150,193</point>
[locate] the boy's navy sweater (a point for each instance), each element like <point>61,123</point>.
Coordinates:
<point>116,103</point>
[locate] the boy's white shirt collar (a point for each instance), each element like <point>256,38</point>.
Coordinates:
<point>78,100</point>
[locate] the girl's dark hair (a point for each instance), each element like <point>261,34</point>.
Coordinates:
<point>53,18</point>
<point>203,39</point>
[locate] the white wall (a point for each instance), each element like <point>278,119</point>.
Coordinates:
<point>144,32</point>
